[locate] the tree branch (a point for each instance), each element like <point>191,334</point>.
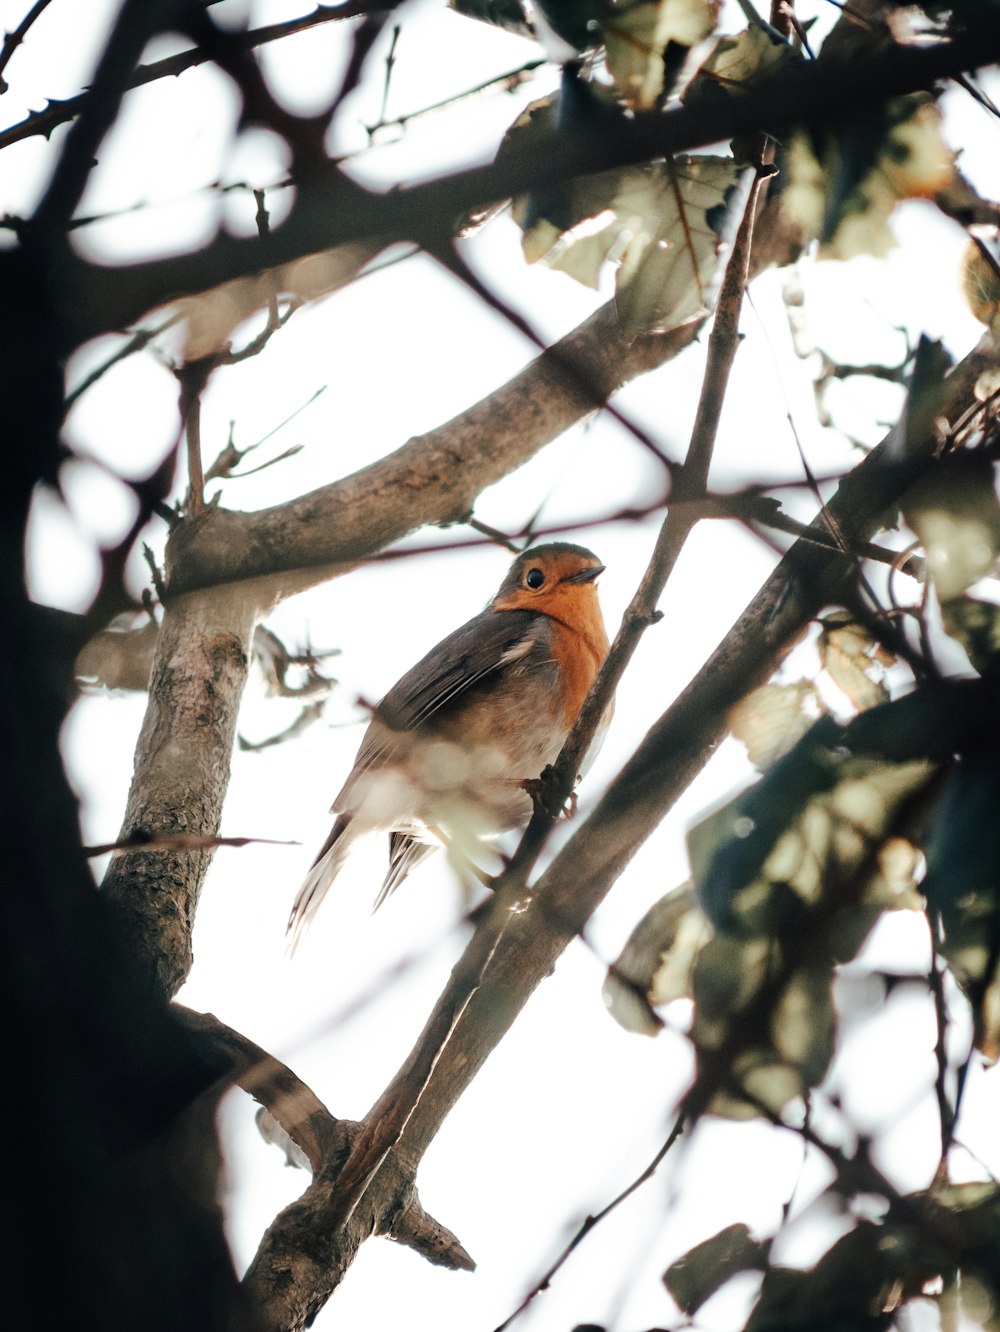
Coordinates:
<point>526,949</point>
<point>331,211</point>
<point>433,479</point>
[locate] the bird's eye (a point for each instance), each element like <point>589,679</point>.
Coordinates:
<point>534,578</point>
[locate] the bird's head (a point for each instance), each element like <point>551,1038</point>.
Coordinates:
<point>556,579</point>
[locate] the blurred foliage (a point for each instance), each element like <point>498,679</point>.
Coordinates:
<point>662,225</point>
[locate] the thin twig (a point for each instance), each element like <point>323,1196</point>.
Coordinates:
<point>193,378</point>
<point>59,112</point>
<point>139,840</point>
<point>138,342</point>
<point>16,36</point>
<point>591,1221</point>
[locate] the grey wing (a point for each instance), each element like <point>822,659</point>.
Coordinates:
<point>461,661</point>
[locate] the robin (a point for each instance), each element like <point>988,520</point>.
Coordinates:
<point>450,751</point>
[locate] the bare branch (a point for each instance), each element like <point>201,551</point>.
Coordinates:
<point>591,1221</point>
<point>177,842</point>
<point>16,36</point>
<point>59,112</point>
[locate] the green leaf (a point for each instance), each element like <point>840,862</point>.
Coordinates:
<point>664,224</point>
<point>974,624</point>
<point>962,884</point>
<point>678,223</point>
<point>954,511</point>
<point>706,1268</point>
<point>856,1285</point>
<point>575,21</point>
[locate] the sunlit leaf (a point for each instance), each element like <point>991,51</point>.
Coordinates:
<point>974,624</point>
<point>671,265</point>
<point>663,224</point>
<point>954,511</point>
<point>656,965</point>
<point>853,659</point>
<point>637,38</point>
<point>843,183</point>
<point>803,1024</point>
<point>736,63</point>
<point>695,1277</point>
<point>771,719</point>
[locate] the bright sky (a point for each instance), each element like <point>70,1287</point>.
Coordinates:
<point>570,1107</point>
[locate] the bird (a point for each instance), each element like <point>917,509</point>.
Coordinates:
<point>452,749</point>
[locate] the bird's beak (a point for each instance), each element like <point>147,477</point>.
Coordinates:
<point>585,575</point>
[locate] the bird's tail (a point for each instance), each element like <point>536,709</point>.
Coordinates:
<point>405,853</point>
<point>325,869</point>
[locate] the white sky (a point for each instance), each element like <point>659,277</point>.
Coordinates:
<point>569,1108</point>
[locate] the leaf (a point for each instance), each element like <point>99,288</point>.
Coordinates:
<point>506,14</point>
<point>736,64</point>
<point>664,223</point>
<point>771,720</point>
<point>843,182</point>
<point>576,22</point>
<point>671,265</point>
<point>704,1269</point>
<point>853,659</point>
<point>962,882</point>
<point>657,963</point>
<point>954,511</point>
<point>799,833</point>
<point>976,625</point>
<point>981,281</point>
<point>637,37</point>
<point>855,1285</point>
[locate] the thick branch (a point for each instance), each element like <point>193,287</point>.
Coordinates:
<point>182,771</point>
<point>432,479</point>
<point>324,1140</point>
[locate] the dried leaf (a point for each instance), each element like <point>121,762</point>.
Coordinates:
<point>771,720</point>
<point>853,659</point>
<point>636,39</point>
